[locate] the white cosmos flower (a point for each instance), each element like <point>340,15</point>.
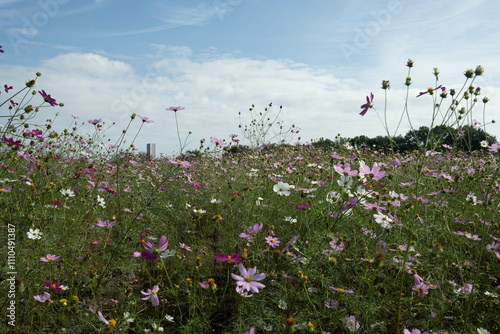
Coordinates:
<point>67,193</point>
<point>383,220</point>
<point>345,181</point>
<point>34,234</point>
<point>282,189</point>
<point>101,202</point>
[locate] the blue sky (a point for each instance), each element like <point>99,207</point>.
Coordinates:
<point>318,59</point>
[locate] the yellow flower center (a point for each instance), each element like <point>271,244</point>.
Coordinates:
<point>281,189</point>
<point>49,259</point>
<point>340,289</point>
<point>153,292</point>
<point>248,279</point>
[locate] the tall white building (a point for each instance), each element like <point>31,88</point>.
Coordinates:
<point>151,151</point>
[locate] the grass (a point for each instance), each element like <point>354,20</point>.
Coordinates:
<point>337,246</point>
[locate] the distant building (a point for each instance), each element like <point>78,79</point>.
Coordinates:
<point>151,151</point>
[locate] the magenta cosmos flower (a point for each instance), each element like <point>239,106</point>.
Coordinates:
<point>47,98</point>
<point>153,295</point>
<point>431,90</point>
<point>367,105</point>
<point>49,258</point>
<point>248,279</point>
<point>152,252</point>
<point>235,258</point>
<point>53,286</point>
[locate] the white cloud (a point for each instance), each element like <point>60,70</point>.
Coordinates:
<point>25,32</point>
<point>213,90</point>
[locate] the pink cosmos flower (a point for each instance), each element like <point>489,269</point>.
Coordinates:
<point>248,279</point>
<point>235,258</point>
<point>217,142</point>
<point>345,170</point>
<point>43,297</point>
<point>1,51</point>
<point>49,258</point>
<point>367,105</point>
<point>152,252</point>
<point>185,247</point>
<point>251,231</point>
<point>95,121</point>
<point>251,331</point>
<point>342,290</point>
<point>175,109</point>
<point>413,331</point>
<point>105,223</point>
<point>272,241</point>
<point>145,119</point>
<point>7,88</point>
<point>375,173</point>
<point>494,147</point>
<point>351,323</point>
<point>180,162</point>
<point>153,295</point>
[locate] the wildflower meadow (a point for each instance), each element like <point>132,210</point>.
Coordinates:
<point>267,236</point>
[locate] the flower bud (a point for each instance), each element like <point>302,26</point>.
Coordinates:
<point>469,73</point>
<point>485,99</point>
<point>479,70</point>
<point>38,74</point>
<point>436,72</point>
<point>290,325</point>
<point>408,81</point>
<point>409,63</point>
<point>385,84</point>
<point>452,92</point>
<point>30,83</point>
<point>466,95</point>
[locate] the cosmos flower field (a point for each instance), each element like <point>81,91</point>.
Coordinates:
<point>278,238</point>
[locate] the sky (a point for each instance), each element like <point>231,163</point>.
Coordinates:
<point>319,60</point>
